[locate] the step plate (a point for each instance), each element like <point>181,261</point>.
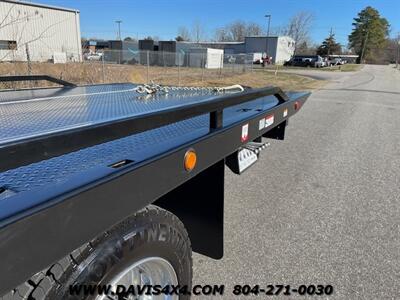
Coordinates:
<point>245,157</point>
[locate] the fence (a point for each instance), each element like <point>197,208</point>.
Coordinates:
<point>192,68</point>
<point>167,67</point>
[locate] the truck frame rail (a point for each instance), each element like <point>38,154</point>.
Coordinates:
<point>46,220</point>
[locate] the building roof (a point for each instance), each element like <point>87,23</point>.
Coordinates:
<point>190,42</point>
<point>236,43</point>
<point>41,5</point>
<point>263,36</point>
<point>268,37</point>
<point>344,55</point>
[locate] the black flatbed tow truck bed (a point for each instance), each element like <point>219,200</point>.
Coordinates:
<point>75,161</point>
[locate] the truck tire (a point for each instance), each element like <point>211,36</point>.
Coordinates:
<point>151,243</point>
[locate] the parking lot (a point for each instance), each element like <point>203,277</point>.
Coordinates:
<point>323,206</point>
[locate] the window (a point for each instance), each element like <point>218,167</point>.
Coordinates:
<point>8,45</point>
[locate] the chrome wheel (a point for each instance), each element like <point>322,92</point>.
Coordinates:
<point>148,271</point>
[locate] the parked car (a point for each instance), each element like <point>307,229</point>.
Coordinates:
<point>298,62</point>
<point>335,61</point>
<point>93,56</point>
<point>230,59</point>
<point>306,61</point>
<point>319,62</point>
<point>257,58</point>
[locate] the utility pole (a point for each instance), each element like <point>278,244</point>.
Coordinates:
<point>119,38</point>
<point>398,50</point>
<point>329,44</point>
<point>269,23</point>
<point>119,29</point>
<point>363,48</point>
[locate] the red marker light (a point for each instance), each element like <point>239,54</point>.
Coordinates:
<point>297,105</point>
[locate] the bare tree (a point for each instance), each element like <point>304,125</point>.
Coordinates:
<point>277,30</point>
<point>299,27</point>
<point>152,38</point>
<point>19,21</point>
<point>237,31</point>
<point>184,33</point>
<point>254,29</point>
<point>198,33</point>
<point>306,48</point>
<point>129,39</point>
<point>222,35</point>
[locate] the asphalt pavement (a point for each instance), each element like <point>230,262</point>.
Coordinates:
<point>316,73</point>
<point>323,206</point>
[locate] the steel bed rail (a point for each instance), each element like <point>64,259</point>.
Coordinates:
<point>30,150</point>
<point>17,78</point>
<point>37,236</point>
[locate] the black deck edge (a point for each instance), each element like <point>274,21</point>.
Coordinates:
<point>23,152</point>
<point>16,78</point>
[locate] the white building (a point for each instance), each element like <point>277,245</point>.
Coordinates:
<point>40,32</point>
<point>280,48</point>
<point>206,57</point>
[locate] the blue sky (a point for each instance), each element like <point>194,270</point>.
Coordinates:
<point>163,17</point>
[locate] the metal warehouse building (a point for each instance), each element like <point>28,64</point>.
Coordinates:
<point>280,48</point>
<point>38,32</point>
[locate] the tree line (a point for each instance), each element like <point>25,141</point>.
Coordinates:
<point>298,27</point>
<point>369,38</point>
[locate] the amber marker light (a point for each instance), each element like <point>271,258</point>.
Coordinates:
<point>190,160</point>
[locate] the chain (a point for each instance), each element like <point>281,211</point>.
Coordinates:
<point>154,88</point>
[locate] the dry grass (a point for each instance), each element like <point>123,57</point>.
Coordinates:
<point>340,68</point>
<point>95,72</point>
<point>286,81</point>
<point>344,68</point>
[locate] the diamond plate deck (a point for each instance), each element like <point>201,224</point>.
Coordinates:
<point>24,115</point>
<point>30,113</point>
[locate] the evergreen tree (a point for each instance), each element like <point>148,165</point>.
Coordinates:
<point>370,32</point>
<point>329,46</point>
